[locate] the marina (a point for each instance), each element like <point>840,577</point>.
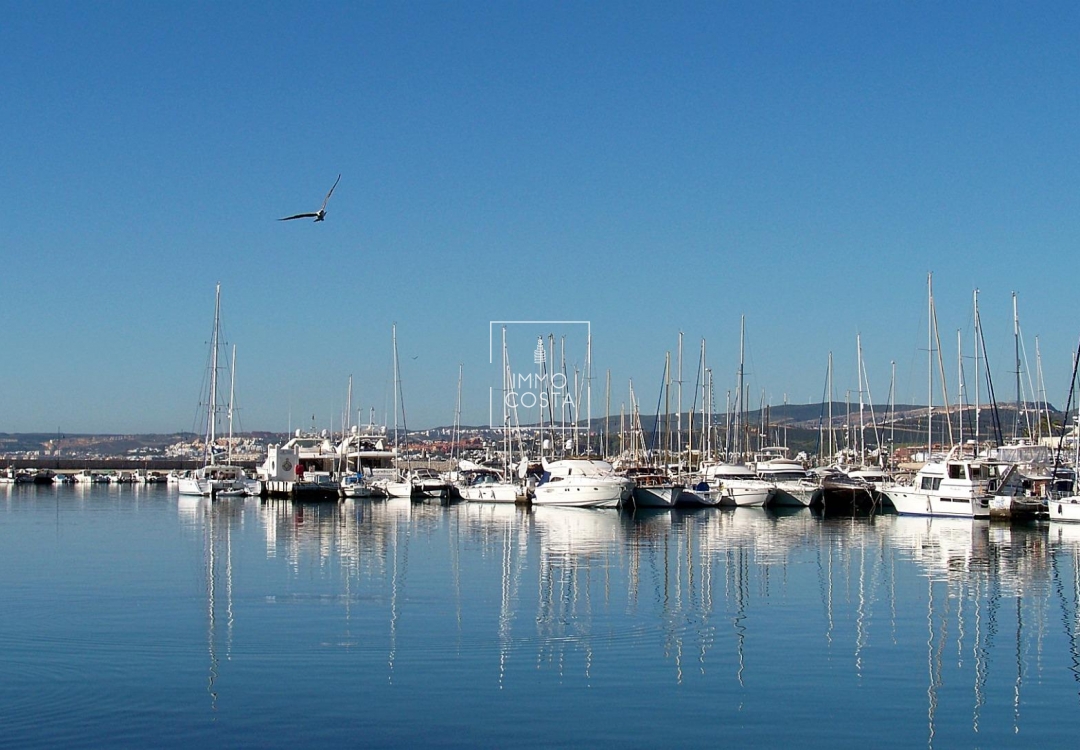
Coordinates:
<point>247,621</point>
<point>540,375</point>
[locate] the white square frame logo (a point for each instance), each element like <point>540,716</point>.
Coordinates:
<point>493,325</point>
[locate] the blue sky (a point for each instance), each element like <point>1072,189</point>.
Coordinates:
<point>650,168</point>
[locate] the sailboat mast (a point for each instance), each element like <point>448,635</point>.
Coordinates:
<point>930,368</point>
<point>667,404</point>
<point>588,395</point>
<point>978,338</point>
<point>678,418</point>
<point>397,441</point>
<point>862,419</point>
<point>211,433</point>
<point>960,388</point>
<point>704,421</point>
<point>740,403</point>
<point>832,431</point>
<point>505,416</point>
<point>607,416</point>
<point>457,416</point>
<point>1016,347</point>
<point>232,393</point>
<point>892,405</point>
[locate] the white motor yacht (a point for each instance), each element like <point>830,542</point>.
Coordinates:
<point>581,483</point>
<point>483,484</point>
<point>955,486</point>
<point>736,484</point>
<point>794,485</point>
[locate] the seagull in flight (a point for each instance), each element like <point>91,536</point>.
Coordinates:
<point>319,215</point>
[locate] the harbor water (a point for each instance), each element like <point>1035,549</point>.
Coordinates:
<point>133,617</point>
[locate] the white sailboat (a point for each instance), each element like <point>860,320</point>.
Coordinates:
<point>483,483</point>
<point>213,478</point>
<point>960,484</point>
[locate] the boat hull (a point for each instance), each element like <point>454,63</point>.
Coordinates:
<point>657,496</point>
<point>744,494</point>
<point>798,494</point>
<point>490,493</point>
<point>581,495</point>
<point>1066,510</point>
<point>914,502</point>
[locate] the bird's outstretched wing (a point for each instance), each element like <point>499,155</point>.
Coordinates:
<point>299,216</point>
<point>331,191</point>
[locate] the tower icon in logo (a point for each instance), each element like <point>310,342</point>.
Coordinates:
<point>538,355</point>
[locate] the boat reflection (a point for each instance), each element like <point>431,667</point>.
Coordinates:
<point>215,519</point>
<point>687,592</point>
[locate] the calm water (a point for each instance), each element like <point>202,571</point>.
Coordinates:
<point>132,617</point>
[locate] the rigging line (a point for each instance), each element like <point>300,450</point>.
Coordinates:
<point>994,413</point>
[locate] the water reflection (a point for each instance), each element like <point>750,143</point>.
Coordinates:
<point>963,611</point>
<point>216,520</point>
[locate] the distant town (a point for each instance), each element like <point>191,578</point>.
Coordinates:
<point>801,428</point>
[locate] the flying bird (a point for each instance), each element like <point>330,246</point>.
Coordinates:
<point>319,215</point>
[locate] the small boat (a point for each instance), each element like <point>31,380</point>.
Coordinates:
<point>86,476</point>
<point>484,484</point>
<point>419,483</point>
<point>356,485</point>
<point>653,488</point>
<point>12,475</point>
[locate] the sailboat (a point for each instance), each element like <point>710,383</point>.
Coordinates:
<point>419,482</point>
<point>482,483</point>
<point>963,483</point>
<point>213,478</point>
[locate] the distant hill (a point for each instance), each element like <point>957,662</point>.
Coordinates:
<point>798,426</point>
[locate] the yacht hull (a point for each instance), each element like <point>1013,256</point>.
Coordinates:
<point>658,496</point>
<point>914,502</point>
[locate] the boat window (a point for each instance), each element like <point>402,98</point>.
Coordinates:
<point>956,471</point>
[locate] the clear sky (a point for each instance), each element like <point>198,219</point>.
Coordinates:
<point>647,167</point>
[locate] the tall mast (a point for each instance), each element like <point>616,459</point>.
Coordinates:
<point>507,446</point>
<point>704,421</point>
<point>588,395</point>
<point>930,369</point>
<point>678,418</point>
<point>397,440</point>
<point>1041,405</point>
<point>232,393</point>
<point>667,405</point>
<point>457,416</point>
<point>978,338</point>
<point>862,421</point>
<point>740,405</point>
<point>960,388</point>
<point>944,386</point>
<point>348,409</point>
<point>606,448</point>
<point>832,433</point>
<point>1016,346</point>
<point>892,406</point>
<point>211,428</point>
